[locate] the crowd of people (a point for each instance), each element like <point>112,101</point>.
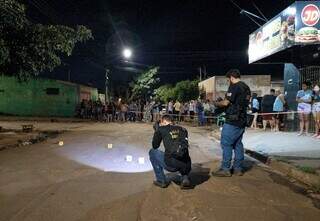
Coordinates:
<point>273,108</point>
<point>270,110</point>
<point>148,111</point>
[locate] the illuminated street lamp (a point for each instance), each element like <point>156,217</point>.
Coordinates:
<point>127,53</point>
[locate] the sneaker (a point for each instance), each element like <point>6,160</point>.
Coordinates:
<point>238,173</point>
<point>299,134</point>
<point>318,137</point>
<point>185,182</point>
<point>161,184</point>
<point>314,135</point>
<point>222,173</point>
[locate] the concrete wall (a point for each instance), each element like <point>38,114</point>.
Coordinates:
<point>38,97</point>
<point>88,93</point>
<point>217,86</point>
<point>278,85</point>
<point>208,86</point>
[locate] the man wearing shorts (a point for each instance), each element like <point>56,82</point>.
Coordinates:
<point>278,107</point>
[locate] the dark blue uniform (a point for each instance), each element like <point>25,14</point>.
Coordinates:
<point>236,120</point>
<point>176,156</point>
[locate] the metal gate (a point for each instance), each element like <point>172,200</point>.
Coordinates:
<point>312,74</point>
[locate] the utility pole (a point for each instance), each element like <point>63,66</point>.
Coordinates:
<point>107,98</point>
<point>69,74</point>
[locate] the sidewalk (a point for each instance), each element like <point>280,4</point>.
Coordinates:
<point>282,144</point>
<point>301,151</point>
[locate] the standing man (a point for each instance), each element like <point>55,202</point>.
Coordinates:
<point>236,103</point>
<point>267,108</point>
<point>200,112</point>
<point>170,107</point>
<point>176,156</point>
<point>177,106</point>
<point>191,109</point>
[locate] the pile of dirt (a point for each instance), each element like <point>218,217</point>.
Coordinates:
<point>13,138</point>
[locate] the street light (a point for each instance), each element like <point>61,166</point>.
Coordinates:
<point>127,53</point>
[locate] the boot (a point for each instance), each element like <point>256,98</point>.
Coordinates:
<point>161,184</point>
<point>222,173</point>
<point>185,182</point>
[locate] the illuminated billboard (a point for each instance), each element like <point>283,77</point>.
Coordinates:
<point>296,25</point>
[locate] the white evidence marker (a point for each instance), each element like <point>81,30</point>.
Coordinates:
<point>109,145</point>
<point>141,160</point>
<point>129,158</point>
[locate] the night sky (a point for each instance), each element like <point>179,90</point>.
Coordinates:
<point>179,36</point>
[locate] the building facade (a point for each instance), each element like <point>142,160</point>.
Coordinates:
<point>217,86</point>
<point>42,97</point>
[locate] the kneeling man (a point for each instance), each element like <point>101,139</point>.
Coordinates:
<point>176,156</point>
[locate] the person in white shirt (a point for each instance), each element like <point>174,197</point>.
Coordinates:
<point>170,107</point>
<point>191,109</point>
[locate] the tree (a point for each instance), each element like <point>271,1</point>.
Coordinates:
<point>187,90</point>
<point>183,91</point>
<point>144,85</point>
<point>165,93</point>
<point>27,49</point>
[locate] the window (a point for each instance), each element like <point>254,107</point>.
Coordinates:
<point>52,91</point>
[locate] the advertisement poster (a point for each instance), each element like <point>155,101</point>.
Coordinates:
<point>296,25</point>
<point>307,22</point>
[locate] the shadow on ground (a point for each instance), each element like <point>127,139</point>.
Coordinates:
<point>248,165</point>
<point>198,175</point>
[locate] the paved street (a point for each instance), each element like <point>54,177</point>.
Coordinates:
<point>84,180</point>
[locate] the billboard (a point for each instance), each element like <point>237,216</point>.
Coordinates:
<point>296,25</point>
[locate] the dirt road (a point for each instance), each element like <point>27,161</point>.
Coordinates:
<point>86,180</point>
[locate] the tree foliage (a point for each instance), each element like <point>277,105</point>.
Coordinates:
<point>187,90</point>
<point>165,93</point>
<point>145,84</point>
<point>27,49</point>
<point>183,91</point>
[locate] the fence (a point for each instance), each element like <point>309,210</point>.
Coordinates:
<point>312,74</point>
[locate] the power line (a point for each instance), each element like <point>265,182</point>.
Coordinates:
<point>259,11</point>
<point>246,13</point>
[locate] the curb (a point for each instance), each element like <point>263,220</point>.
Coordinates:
<point>282,167</point>
<point>291,171</point>
<point>43,119</point>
